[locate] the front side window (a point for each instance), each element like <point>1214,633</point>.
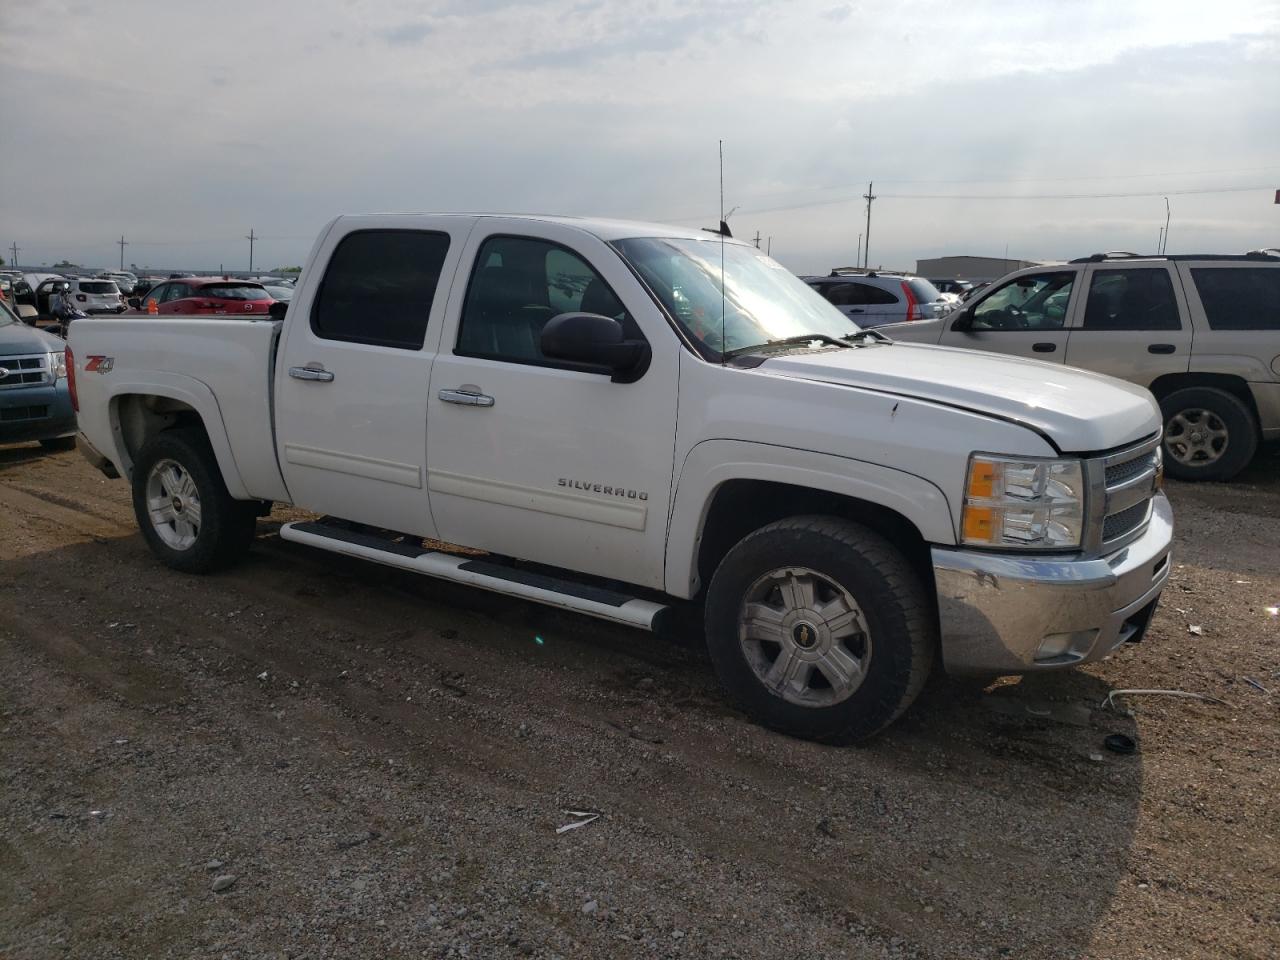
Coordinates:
<point>519,283</point>
<point>751,301</point>
<point>175,291</point>
<point>379,286</point>
<point>1133,299</point>
<point>1239,298</point>
<point>1037,301</point>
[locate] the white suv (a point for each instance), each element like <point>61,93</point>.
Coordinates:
<point>96,295</point>
<point>1201,332</point>
<point>872,298</point>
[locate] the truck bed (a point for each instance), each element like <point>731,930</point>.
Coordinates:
<point>220,366</point>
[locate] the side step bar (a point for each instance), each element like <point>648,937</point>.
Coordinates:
<point>481,572</point>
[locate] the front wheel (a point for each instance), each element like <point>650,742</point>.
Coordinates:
<point>1209,434</point>
<point>819,628</point>
<point>187,517</point>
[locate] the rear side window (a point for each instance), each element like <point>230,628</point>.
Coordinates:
<point>923,290</point>
<point>846,294</point>
<point>1136,299</point>
<point>1243,298</point>
<point>379,286</point>
<point>234,291</point>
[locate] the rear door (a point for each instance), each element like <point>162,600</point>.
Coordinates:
<point>1132,323</point>
<point>351,378</point>
<point>1026,316</point>
<point>1235,311</point>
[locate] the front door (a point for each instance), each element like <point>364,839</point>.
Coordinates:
<point>532,458</point>
<point>351,379</point>
<point>1025,316</point>
<point>1132,324</point>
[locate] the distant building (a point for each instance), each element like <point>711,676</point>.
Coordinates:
<point>973,268</point>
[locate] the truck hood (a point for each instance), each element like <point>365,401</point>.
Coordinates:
<point>1079,411</point>
<point>17,339</point>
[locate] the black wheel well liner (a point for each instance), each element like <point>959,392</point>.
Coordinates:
<point>740,507</point>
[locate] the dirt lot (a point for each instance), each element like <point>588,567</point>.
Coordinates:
<point>381,762</point>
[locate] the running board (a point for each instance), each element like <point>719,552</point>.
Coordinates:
<point>481,572</point>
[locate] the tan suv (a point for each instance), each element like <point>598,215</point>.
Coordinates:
<point>1202,333</point>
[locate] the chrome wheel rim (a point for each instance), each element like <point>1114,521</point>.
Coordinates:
<point>1196,437</point>
<point>173,504</point>
<point>805,637</point>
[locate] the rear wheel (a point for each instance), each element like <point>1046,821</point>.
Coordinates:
<point>189,520</point>
<point>1209,434</point>
<point>819,628</point>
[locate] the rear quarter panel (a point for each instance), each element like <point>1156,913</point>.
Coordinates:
<point>220,367</point>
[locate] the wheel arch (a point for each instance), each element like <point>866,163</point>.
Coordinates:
<point>727,489</point>
<point>140,411</point>
<point>1230,383</point>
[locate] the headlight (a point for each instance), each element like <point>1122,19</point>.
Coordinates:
<point>58,365</point>
<point>1033,504</point>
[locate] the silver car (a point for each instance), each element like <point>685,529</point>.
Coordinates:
<point>872,298</point>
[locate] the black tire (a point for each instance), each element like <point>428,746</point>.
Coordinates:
<point>898,617</point>
<point>226,525</point>
<point>1225,409</point>
<point>58,443</point>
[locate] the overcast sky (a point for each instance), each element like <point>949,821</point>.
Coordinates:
<point>182,125</point>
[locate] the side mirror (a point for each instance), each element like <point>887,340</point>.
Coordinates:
<point>135,303</point>
<point>278,309</point>
<point>595,340</point>
<point>963,321</point>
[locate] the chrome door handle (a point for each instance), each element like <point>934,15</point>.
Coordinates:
<point>319,374</point>
<point>467,398</point>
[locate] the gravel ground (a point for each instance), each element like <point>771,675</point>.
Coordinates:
<point>313,757</point>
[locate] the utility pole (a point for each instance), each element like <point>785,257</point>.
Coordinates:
<point>251,238</point>
<point>866,250</point>
<point>1167,214</point>
<point>1160,241</point>
<point>122,243</point>
<point>858,261</point>
<point>768,247</point>
<point>757,239</point>
<point>14,248</point>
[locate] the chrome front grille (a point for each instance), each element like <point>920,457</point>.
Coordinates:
<point>1122,486</point>
<point>24,371</point>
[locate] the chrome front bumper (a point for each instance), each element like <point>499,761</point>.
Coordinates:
<point>1018,614</point>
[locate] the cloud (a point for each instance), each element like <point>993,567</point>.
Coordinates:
<point>406,34</point>
<point>838,14</point>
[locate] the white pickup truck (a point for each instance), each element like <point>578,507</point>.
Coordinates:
<point>625,417</point>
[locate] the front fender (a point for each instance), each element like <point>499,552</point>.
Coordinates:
<point>193,393</point>
<point>714,462</point>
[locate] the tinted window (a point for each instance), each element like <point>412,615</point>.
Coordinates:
<point>235,291</point>
<point>98,286</point>
<point>846,294</point>
<point>877,295</point>
<point>1135,299</point>
<point>923,290</point>
<point>173,291</point>
<point>518,285</point>
<point>1037,301</point>
<point>379,286</point>
<point>1245,298</point>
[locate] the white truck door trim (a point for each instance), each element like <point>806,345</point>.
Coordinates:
<point>628,514</point>
<point>405,474</point>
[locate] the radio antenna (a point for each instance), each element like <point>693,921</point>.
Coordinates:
<point>724,228</point>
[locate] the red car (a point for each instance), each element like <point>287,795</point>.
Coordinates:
<point>207,296</point>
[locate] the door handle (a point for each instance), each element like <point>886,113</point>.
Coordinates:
<point>1044,347</point>
<point>853,310</point>
<point>468,398</point>
<point>1161,348</point>
<point>318,374</point>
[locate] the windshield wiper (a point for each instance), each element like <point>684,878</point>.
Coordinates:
<point>789,341</point>
<point>860,335</point>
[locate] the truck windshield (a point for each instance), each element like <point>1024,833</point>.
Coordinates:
<point>762,301</point>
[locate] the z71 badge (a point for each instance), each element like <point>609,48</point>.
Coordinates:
<point>99,364</point>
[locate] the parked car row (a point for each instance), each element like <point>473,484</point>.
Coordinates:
<point>872,298</point>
